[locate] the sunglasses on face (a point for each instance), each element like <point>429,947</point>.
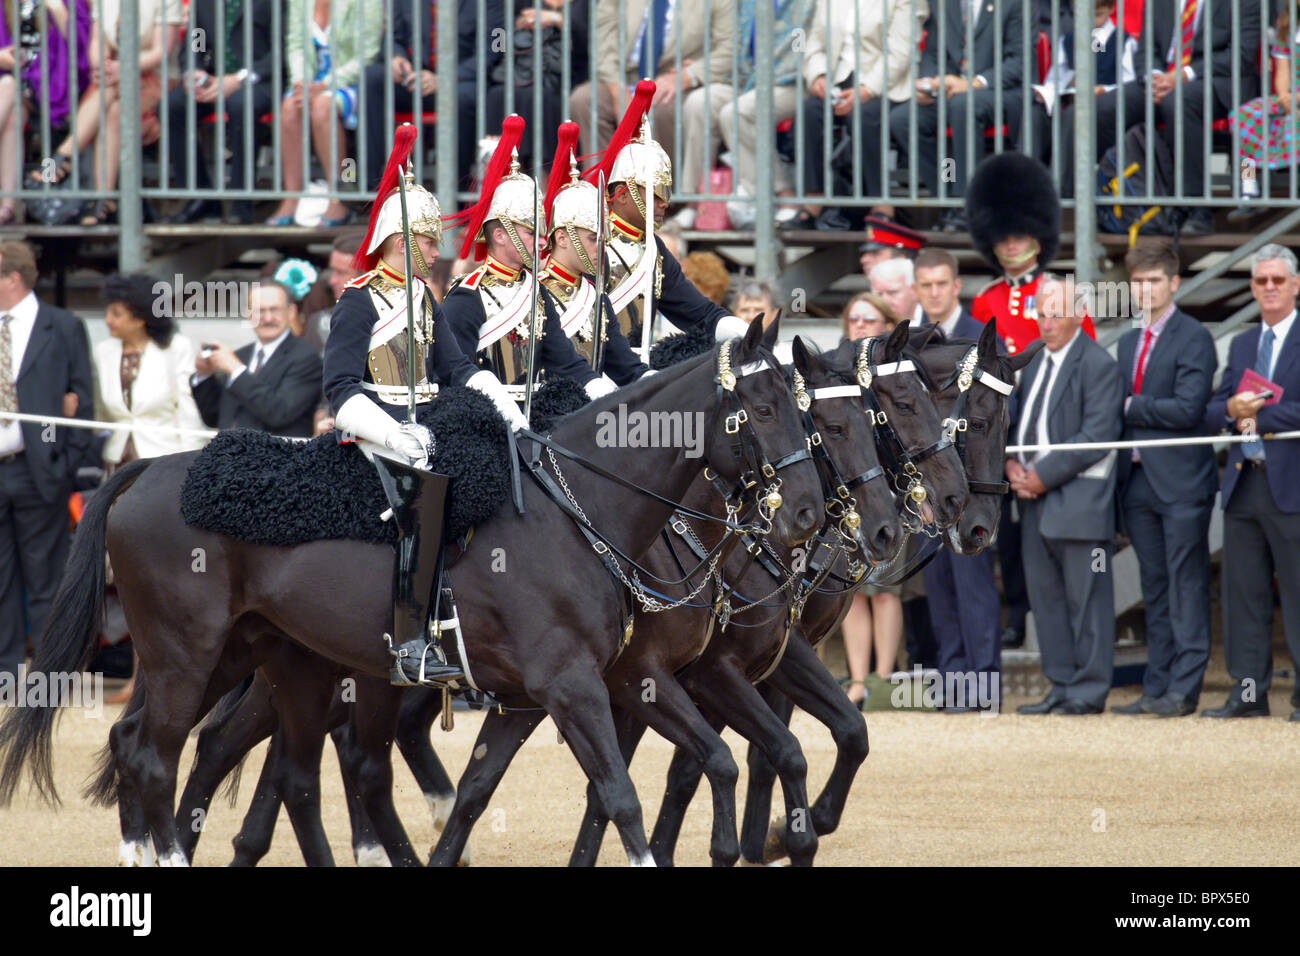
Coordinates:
<point>863,318</point>
<point>1278,281</point>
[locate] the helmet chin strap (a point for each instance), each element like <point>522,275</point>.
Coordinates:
<point>580,249</point>
<point>525,255</point>
<point>1022,258</point>
<point>420,267</point>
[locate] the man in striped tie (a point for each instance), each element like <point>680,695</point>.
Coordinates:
<point>1195,43</point>
<point>1261,488</point>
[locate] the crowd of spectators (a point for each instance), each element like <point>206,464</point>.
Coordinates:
<point>852,80</point>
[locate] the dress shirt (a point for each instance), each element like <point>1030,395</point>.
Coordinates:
<point>267,351</point>
<point>1043,381</point>
<point>20,332</point>
<point>949,325</point>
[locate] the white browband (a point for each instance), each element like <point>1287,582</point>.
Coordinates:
<point>750,368</point>
<point>992,381</point>
<point>893,368</point>
<point>836,391</point>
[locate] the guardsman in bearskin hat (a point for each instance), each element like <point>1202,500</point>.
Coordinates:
<point>490,309</point>
<point>628,165</point>
<point>1015,223</point>
<point>368,387</point>
<point>573,213</point>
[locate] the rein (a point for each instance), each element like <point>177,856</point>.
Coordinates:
<point>746,448</point>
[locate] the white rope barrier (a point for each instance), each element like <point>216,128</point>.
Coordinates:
<point>164,430</point>
<point>1154,443</point>
<point>1011,449</point>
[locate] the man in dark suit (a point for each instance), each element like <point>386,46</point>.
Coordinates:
<point>1165,43</point>
<point>1166,494</point>
<point>273,384</point>
<point>947,73</point>
<point>220,63</point>
<point>1072,393</point>
<point>962,594</point>
<point>1261,488</point>
<point>44,370</point>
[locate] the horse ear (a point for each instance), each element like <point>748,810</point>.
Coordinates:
<point>897,341</point>
<point>989,338</point>
<point>771,329</point>
<point>753,336</point>
<point>920,338</point>
<point>1021,358</point>
<point>802,358</point>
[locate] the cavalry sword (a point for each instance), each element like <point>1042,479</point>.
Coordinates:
<point>653,252</point>
<point>410,300</point>
<point>598,326</point>
<point>532,313</point>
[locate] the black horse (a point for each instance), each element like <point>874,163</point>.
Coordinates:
<point>199,633</point>
<point>726,671</point>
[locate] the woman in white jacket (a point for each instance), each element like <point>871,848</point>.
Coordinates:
<point>143,370</point>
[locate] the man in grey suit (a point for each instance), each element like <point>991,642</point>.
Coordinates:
<point>1166,494</point>
<point>1072,393</point>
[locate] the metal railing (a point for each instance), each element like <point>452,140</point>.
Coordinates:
<point>723,45</point>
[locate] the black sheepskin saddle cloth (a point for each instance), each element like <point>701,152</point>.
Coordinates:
<point>258,488</point>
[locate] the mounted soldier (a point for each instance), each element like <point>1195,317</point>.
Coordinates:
<point>639,178</point>
<point>496,311</point>
<point>574,215</point>
<point>388,351</point>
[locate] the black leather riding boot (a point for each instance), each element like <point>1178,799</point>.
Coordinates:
<point>420,496</point>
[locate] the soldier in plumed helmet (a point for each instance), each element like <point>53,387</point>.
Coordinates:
<point>367,383</point>
<point>628,165</point>
<point>1015,222</point>
<point>573,212</point>
<point>490,310</point>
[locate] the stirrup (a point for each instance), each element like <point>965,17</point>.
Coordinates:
<point>433,670</point>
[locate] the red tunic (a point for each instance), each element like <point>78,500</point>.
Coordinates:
<point>1013,305</point>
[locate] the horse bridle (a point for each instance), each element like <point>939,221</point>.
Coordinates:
<point>966,373</point>
<point>898,462</point>
<point>746,447</point>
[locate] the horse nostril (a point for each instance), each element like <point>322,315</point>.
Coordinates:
<point>884,539</point>
<point>953,504</point>
<point>807,519</point>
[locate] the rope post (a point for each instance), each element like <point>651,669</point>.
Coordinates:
<point>1085,136</point>
<point>445,98</point>
<point>765,259</point>
<point>130,212</point>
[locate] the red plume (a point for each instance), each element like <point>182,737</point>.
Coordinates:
<point>512,132</point>
<point>627,128</point>
<point>403,144</point>
<point>568,138</point>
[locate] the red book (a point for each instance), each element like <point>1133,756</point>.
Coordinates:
<point>1252,381</point>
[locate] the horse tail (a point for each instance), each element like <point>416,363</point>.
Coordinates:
<point>67,642</point>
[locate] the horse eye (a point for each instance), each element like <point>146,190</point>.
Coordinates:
<point>979,424</point>
<point>836,429</point>
<point>903,407</point>
<point>763,411</point>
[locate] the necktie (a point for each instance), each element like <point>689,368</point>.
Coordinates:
<point>1188,31</point>
<point>1254,450</point>
<point>652,37</point>
<point>1141,367</point>
<point>8,389</point>
<point>259,357</point>
<point>1030,435</point>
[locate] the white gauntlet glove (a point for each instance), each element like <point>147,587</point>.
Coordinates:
<point>487,383</point>
<point>361,417</point>
<point>730,327</point>
<point>598,387</point>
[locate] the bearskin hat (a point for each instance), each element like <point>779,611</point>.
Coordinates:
<point>1012,194</point>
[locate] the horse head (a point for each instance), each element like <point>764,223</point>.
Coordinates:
<point>923,464</point>
<point>858,492</point>
<point>756,434</point>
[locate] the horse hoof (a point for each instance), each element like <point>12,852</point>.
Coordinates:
<point>131,853</point>
<point>774,846</point>
<point>464,855</point>
<point>372,855</point>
